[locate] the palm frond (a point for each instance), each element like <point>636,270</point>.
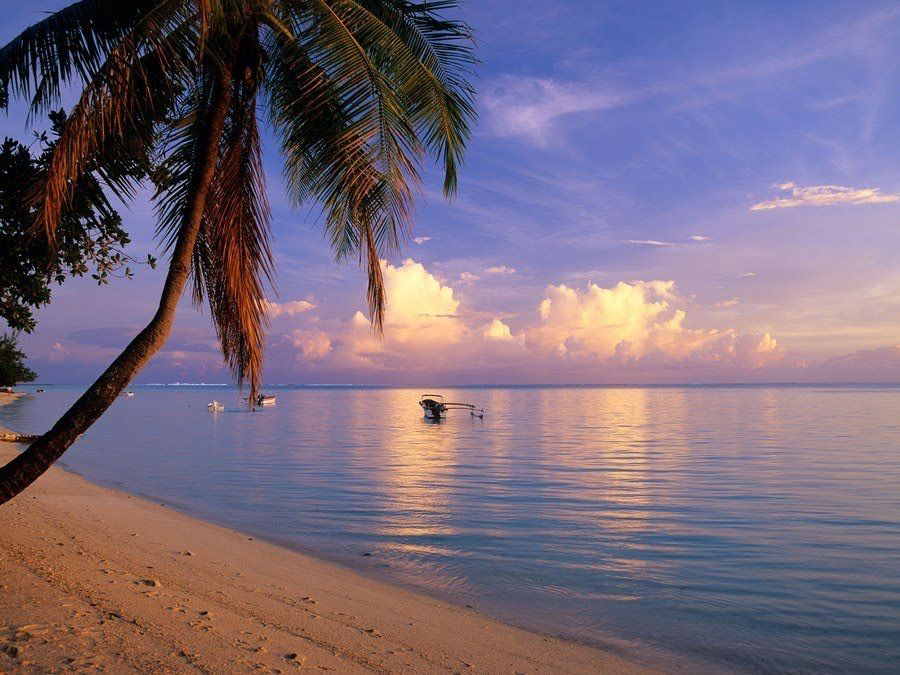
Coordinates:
<point>178,154</point>
<point>344,135</point>
<point>358,91</point>
<point>431,60</point>
<point>115,117</point>
<point>344,43</point>
<point>72,44</point>
<point>234,263</point>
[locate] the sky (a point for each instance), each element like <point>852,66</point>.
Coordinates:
<point>654,193</point>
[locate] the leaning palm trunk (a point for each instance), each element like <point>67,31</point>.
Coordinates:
<point>24,469</point>
<point>357,93</point>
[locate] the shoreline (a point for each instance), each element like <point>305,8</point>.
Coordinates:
<point>8,435</point>
<point>93,577</point>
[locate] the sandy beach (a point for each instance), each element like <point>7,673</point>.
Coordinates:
<point>92,578</point>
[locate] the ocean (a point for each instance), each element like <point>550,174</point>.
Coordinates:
<point>742,528</point>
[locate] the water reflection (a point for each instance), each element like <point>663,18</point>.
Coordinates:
<point>418,468</point>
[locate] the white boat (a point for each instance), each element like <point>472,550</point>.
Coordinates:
<point>215,406</point>
<point>436,408</point>
<point>262,399</point>
<point>128,393</point>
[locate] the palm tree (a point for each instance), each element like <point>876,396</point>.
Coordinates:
<point>357,92</point>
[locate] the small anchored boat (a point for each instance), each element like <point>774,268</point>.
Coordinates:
<point>215,406</point>
<point>436,408</point>
<point>128,393</point>
<point>262,399</point>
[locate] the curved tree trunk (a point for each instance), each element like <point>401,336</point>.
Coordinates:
<point>26,467</point>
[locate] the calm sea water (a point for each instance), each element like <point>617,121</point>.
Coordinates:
<point>733,528</point>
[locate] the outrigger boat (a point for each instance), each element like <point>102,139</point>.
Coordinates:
<point>435,407</point>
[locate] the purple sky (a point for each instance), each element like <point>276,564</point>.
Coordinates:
<point>655,192</point>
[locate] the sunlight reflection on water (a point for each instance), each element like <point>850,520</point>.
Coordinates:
<point>744,527</point>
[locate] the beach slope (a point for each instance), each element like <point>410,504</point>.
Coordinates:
<point>93,578</point>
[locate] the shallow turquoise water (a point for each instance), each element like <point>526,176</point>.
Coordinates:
<point>741,528</point>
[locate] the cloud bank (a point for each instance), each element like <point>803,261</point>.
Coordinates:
<point>627,327</point>
<point>639,331</point>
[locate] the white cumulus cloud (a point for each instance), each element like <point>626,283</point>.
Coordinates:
<point>500,332</point>
<point>423,330</point>
<point>420,319</point>
<point>634,324</point>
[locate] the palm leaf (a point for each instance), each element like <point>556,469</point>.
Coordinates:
<point>429,60</point>
<point>72,44</point>
<point>236,229</point>
<point>116,115</point>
